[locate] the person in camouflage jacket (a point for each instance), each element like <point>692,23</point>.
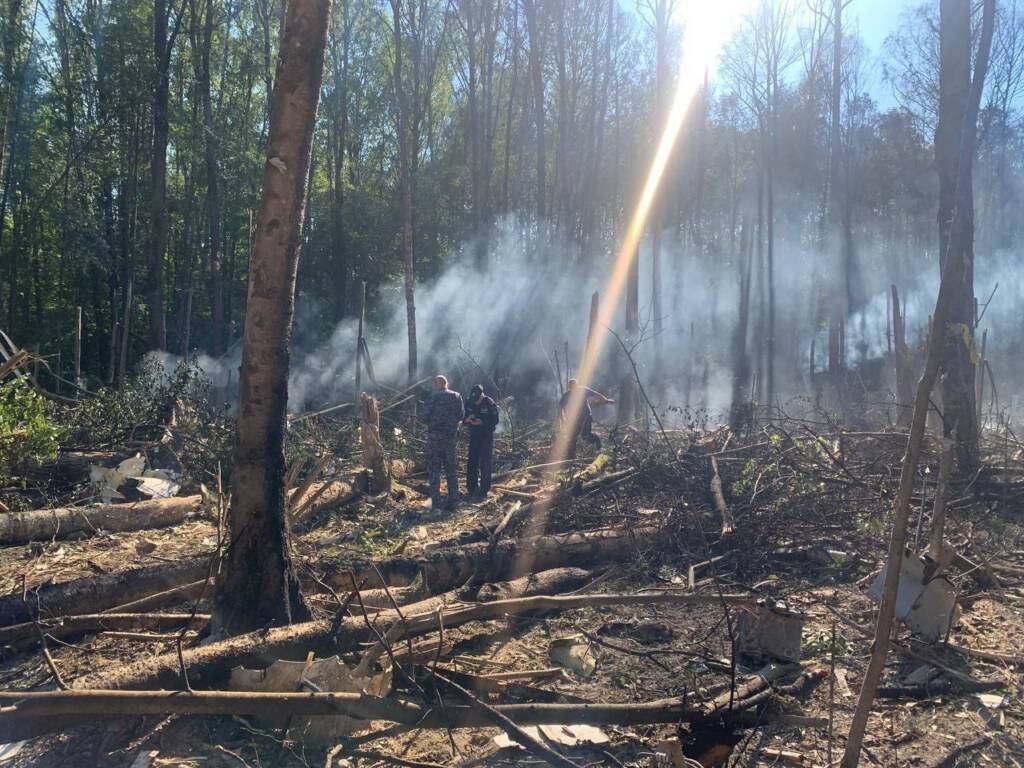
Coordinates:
<point>443,414</point>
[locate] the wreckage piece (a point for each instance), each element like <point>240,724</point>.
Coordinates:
<point>62,522</point>
<point>28,714</point>
<point>95,594</point>
<point>321,676</point>
<point>927,607</point>
<point>208,665</point>
<point>66,626</point>
<point>770,631</point>
<point>444,569</point>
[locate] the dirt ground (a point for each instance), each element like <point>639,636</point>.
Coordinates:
<point>810,532</point>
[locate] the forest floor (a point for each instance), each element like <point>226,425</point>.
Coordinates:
<point>809,504</point>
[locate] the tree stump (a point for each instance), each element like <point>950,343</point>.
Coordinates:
<point>373,451</point>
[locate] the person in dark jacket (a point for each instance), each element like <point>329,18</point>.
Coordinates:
<point>578,418</point>
<point>442,414</point>
<point>481,418</point>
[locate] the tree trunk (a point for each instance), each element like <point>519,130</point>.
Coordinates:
<point>93,594</point>
<point>837,279</point>
<point>210,156</point>
<point>955,38</point>
<point>258,584</point>
<point>955,143</point>
<point>158,170</point>
<point>59,523</point>
<point>405,182</point>
<point>902,363</point>
<point>536,56</point>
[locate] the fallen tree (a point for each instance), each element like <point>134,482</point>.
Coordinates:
<point>549,582</point>
<point>517,513</point>
<point>95,594</point>
<point>28,714</point>
<point>61,522</point>
<point>441,570</point>
<point>444,569</point>
<point>209,665</point>
<point>100,622</point>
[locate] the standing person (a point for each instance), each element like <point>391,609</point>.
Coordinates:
<point>481,418</point>
<point>442,414</point>
<point>577,418</point>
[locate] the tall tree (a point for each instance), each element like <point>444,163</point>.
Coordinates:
<point>835,195</point>
<point>163,44</point>
<point>535,34</point>
<point>211,155</point>
<point>258,584</point>
<point>955,145</point>
<point>402,112</point>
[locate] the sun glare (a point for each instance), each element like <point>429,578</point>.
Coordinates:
<point>706,27</point>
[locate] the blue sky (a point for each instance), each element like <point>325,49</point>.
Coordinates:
<point>875,20</point>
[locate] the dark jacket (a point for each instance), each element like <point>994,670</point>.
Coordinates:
<point>486,411</point>
<point>443,414</point>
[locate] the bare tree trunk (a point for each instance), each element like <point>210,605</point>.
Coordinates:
<point>405,181</point>
<point>955,56</point>
<point>901,352</point>
<point>536,55</point>
<point>211,152</point>
<point>629,397</point>
<point>837,281</point>
<point>955,144</point>
<point>739,412</point>
<point>661,85</point>
<point>258,584</point>
<point>158,210</point>
<point>339,146</point>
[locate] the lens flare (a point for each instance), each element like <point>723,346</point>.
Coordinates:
<point>707,26</point>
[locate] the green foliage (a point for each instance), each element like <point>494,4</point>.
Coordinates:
<point>27,431</point>
<point>147,402</point>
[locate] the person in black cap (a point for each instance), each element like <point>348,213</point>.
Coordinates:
<point>481,419</point>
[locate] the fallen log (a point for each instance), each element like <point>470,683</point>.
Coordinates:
<point>209,665</point>
<point>550,582</point>
<point>317,497</point>
<point>329,494</point>
<point>512,517</point>
<point>444,569</point>
<point>61,522</point>
<point>95,594</point>
<point>172,596</point>
<point>100,622</point>
<point>28,714</point>
<point>164,584</point>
